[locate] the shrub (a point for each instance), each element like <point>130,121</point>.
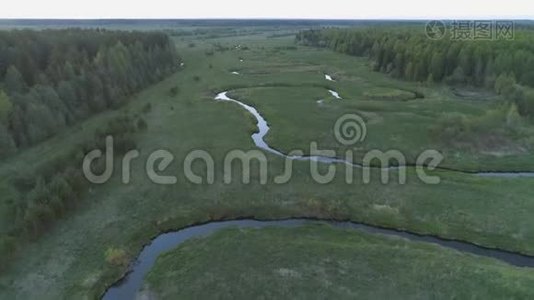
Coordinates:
<point>76,181</point>
<point>503,121</point>
<point>451,126</point>
<point>524,98</point>
<point>174,91</point>
<point>116,257</point>
<point>147,108</point>
<point>60,187</point>
<point>37,217</point>
<point>7,247</point>
<point>141,124</point>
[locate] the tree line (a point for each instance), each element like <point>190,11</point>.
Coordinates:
<point>51,79</point>
<point>405,52</point>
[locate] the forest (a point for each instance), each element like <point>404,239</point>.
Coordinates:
<point>51,79</point>
<point>64,91</point>
<point>505,66</point>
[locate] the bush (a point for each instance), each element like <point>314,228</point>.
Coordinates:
<point>37,218</point>
<point>525,101</point>
<point>141,124</point>
<point>76,181</point>
<point>456,128</point>
<point>451,126</point>
<point>60,187</point>
<point>7,247</point>
<point>174,91</point>
<point>116,257</point>
<point>147,108</point>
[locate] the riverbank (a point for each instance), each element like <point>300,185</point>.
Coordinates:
<point>319,261</point>
<point>132,282</point>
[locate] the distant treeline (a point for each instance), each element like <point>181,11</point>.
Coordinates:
<point>51,79</point>
<point>507,66</point>
<point>177,23</point>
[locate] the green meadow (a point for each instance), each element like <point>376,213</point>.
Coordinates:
<point>318,262</point>
<point>284,82</point>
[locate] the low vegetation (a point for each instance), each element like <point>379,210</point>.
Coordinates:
<point>389,94</point>
<point>499,129</point>
<point>77,253</point>
<point>57,187</point>
<point>117,257</point>
<point>323,262</point>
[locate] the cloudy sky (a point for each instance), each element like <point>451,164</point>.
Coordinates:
<point>326,9</point>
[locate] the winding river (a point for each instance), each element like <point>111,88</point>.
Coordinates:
<point>263,129</point>
<point>132,282</point>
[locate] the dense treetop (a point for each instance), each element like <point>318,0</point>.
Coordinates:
<point>507,66</point>
<point>52,78</point>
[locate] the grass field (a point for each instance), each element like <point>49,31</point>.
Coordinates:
<point>361,91</point>
<point>284,84</point>
<point>320,262</point>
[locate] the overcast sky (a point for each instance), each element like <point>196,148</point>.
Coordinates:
<point>326,9</point>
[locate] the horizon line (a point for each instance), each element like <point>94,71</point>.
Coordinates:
<point>520,18</point>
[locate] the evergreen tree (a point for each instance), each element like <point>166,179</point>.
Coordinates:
<point>53,78</point>
<point>14,83</point>
<point>7,145</point>
<point>5,107</point>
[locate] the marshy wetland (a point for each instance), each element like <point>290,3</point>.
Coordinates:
<point>277,94</point>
